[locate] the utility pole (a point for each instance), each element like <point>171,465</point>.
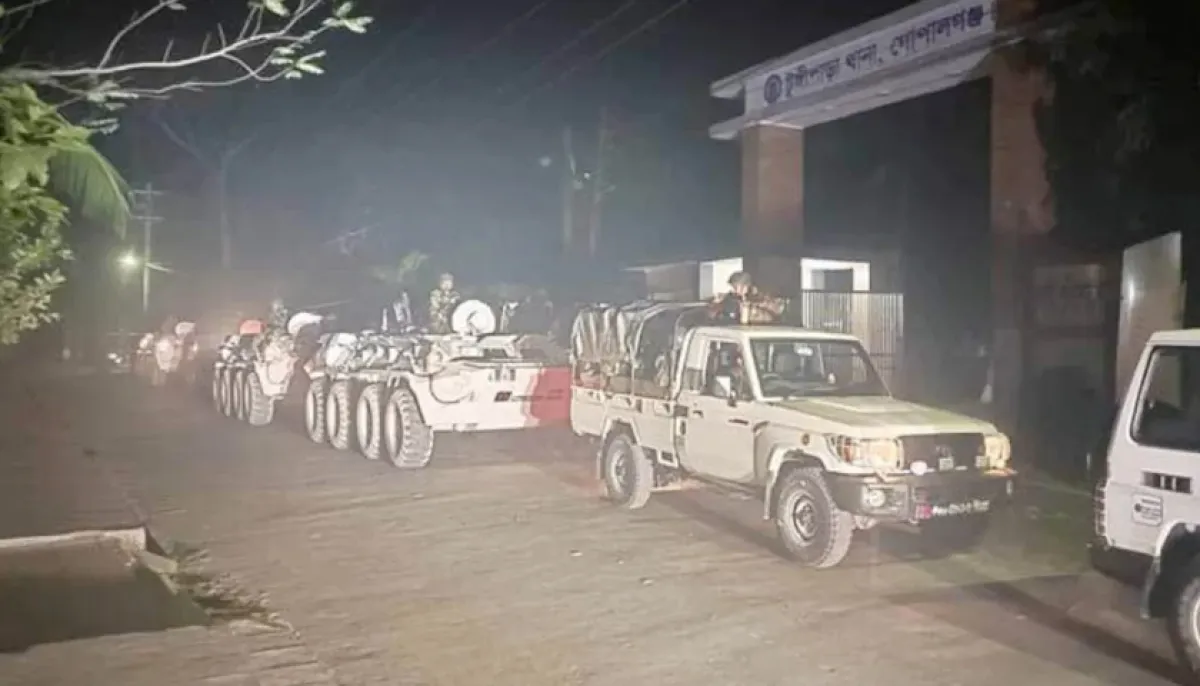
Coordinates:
<point>568,193</point>
<point>599,184</point>
<point>143,206</point>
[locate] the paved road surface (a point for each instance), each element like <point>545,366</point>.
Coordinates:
<point>500,565</point>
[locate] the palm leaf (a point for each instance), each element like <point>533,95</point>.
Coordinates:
<point>83,178</point>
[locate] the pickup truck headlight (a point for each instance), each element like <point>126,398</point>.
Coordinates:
<point>997,449</point>
<point>880,454</point>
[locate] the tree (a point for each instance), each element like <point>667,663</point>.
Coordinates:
<point>1123,148</point>
<point>42,156</point>
<point>275,40</point>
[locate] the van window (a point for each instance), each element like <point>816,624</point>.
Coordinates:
<point>1168,413</point>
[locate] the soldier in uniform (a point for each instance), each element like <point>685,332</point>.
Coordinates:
<point>441,304</point>
<point>745,304</point>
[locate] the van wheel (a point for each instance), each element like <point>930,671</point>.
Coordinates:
<point>628,474</point>
<point>338,411</point>
<point>813,531</point>
<point>314,410</point>
<point>406,437</point>
<point>1184,620</point>
<point>366,421</point>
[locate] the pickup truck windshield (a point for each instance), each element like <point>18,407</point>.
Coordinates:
<point>800,367</point>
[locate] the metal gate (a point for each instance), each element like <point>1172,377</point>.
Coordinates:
<point>876,319</point>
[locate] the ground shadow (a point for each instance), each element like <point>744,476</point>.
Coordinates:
<point>1024,601</point>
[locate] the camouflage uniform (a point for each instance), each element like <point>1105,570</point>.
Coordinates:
<point>441,305</point>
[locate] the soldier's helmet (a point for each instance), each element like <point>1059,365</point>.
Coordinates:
<point>739,279</point>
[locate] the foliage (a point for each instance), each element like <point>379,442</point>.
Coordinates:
<point>1123,150</point>
<point>41,153</point>
<point>405,273</point>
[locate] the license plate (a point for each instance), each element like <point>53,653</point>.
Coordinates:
<point>966,507</point>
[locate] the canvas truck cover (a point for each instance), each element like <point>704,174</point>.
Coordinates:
<point>609,335</point>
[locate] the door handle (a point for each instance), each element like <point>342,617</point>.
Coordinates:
<point>740,422</point>
<point>697,413</point>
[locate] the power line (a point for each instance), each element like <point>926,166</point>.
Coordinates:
<point>587,61</point>
<point>594,27</point>
<point>486,44</point>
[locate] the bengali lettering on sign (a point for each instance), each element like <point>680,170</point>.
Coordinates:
<point>904,42</point>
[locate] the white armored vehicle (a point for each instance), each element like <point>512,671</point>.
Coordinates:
<point>254,371</point>
<point>798,418</point>
<point>388,395</point>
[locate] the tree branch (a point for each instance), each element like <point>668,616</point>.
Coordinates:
<point>267,47</point>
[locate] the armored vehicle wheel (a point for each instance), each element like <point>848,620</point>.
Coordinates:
<point>339,409</point>
<point>367,424</point>
<point>813,531</point>
<point>243,404</point>
<point>235,394</point>
<point>217,376</point>
<point>314,410</point>
<point>406,438</point>
<point>628,474</point>
<point>259,407</point>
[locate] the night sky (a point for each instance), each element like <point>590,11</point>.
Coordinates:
<point>432,128</point>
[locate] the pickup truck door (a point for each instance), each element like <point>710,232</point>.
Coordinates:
<point>714,439</point>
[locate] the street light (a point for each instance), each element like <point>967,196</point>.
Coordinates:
<point>131,261</point>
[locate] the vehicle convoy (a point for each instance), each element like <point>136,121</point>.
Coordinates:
<point>390,394</point>
<point>254,368</point>
<point>799,418</point>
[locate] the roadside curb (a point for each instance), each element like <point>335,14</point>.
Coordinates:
<point>132,538</point>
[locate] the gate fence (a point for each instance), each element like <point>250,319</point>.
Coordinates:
<point>876,319</point>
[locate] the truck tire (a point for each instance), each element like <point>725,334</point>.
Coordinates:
<point>407,439</point>
<point>367,424</point>
<point>627,472</point>
<point>260,408</point>
<point>314,410</point>
<point>1184,619</point>
<point>339,411</point>
<point>813,531</point>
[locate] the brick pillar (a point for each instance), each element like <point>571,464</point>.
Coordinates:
<point>773,206</point>
<point>1021,214</point>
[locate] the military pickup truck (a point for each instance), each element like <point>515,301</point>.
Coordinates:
<point>799,418</point>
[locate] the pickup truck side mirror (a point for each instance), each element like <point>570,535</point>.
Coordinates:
<point>723,385</point>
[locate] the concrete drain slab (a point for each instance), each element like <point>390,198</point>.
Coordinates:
<point>84,589</point>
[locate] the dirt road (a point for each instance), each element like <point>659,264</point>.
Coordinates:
<point>500,565</point>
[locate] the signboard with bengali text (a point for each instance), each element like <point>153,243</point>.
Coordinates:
<point>932,32</point>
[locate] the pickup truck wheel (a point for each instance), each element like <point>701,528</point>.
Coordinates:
<point>366,421</point>
<point>813,531</point>
<point>338,414</point>
<point>1184,622</point>
<point>314,410</point>
<point>628,474</point>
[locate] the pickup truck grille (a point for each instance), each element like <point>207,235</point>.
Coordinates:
<point>933,449</point>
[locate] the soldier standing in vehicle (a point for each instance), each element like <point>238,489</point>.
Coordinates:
<point>745,304</point>
<point>397,317</point>
<point>441,304</point>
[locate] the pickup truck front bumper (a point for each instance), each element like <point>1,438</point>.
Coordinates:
<point>916,499</point>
